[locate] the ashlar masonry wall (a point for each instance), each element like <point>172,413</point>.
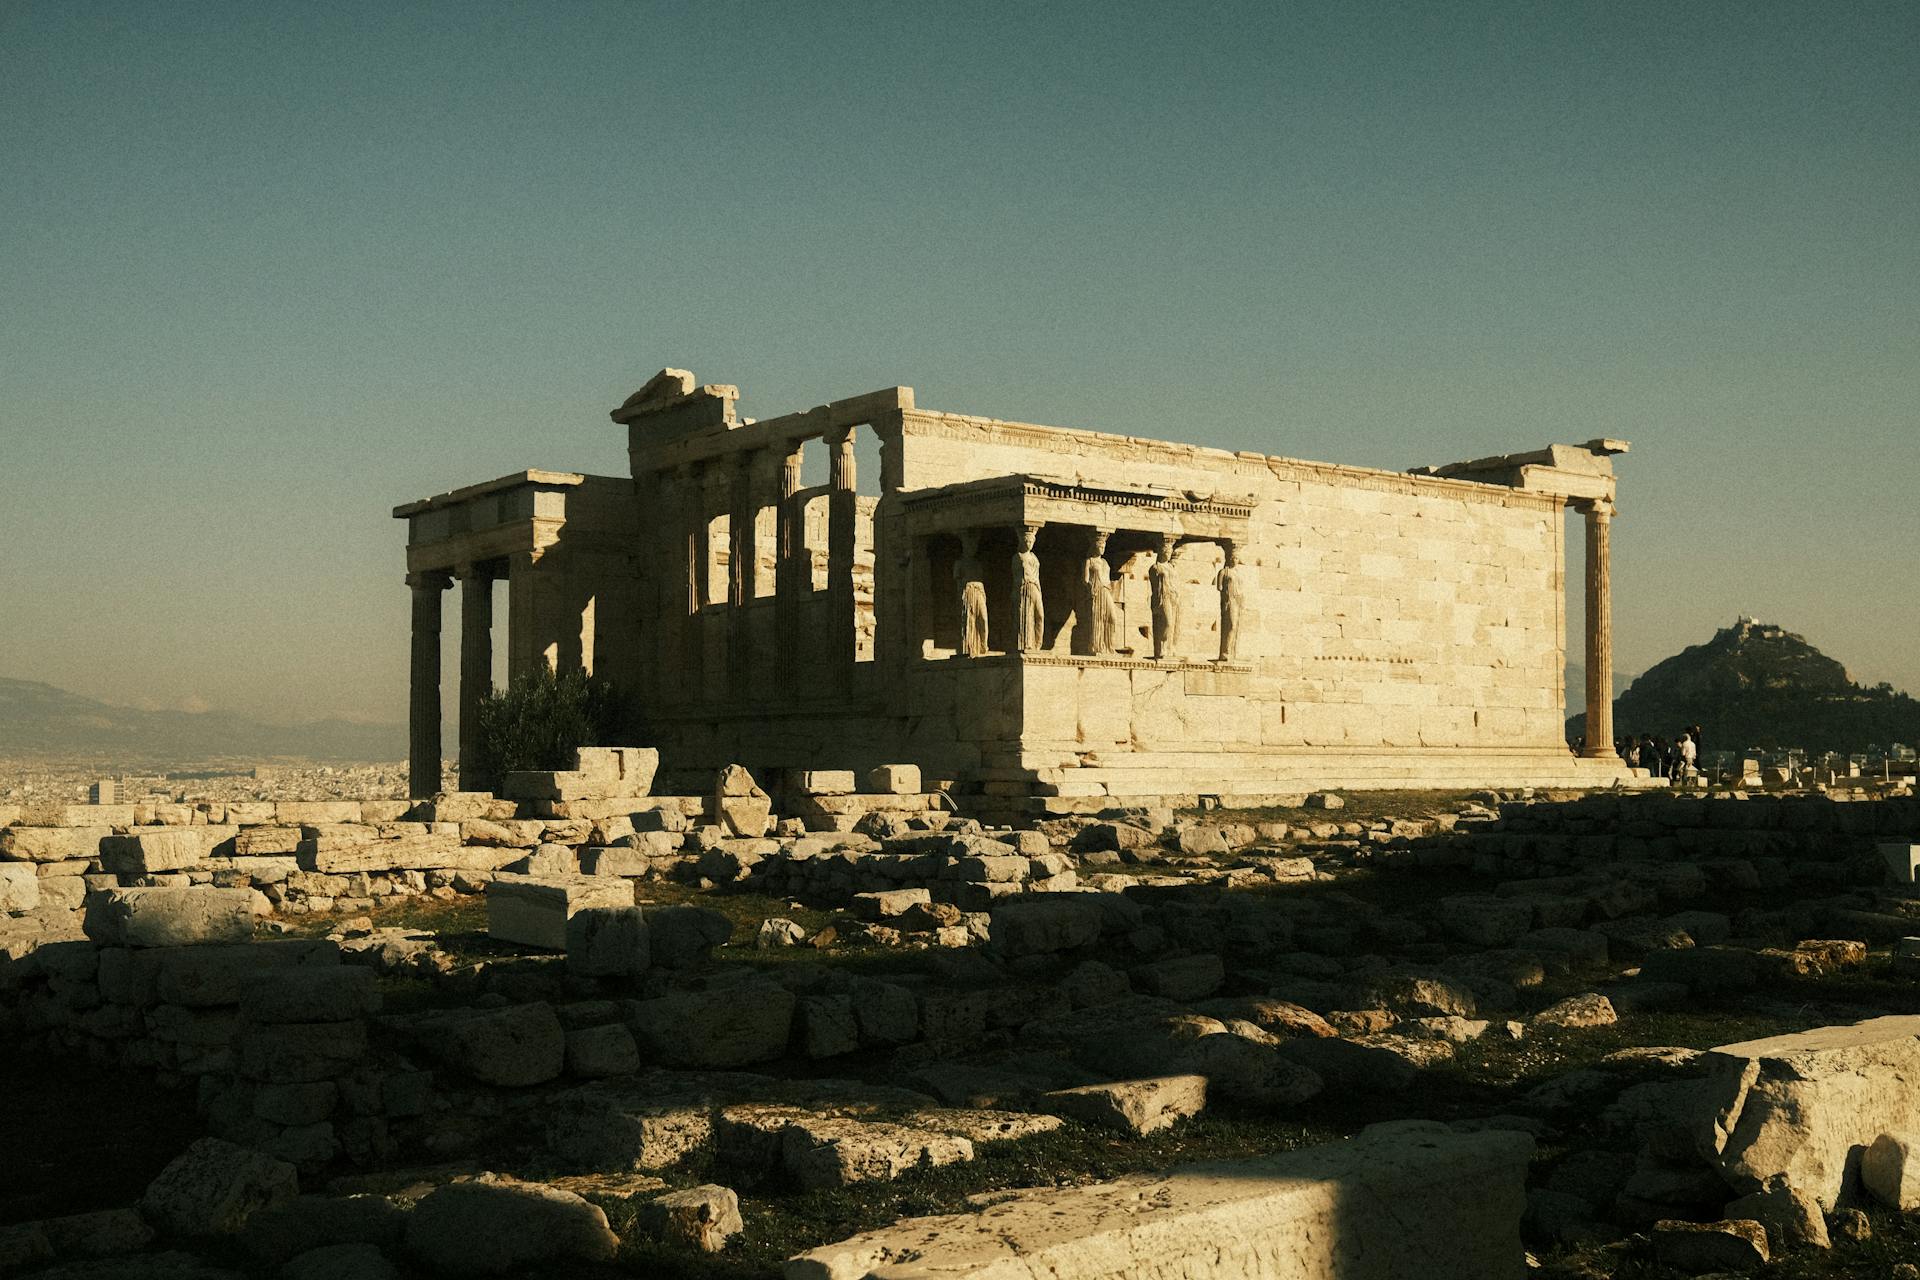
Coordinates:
<point>1399,623</point>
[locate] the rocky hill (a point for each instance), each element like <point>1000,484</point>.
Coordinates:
<point>39,720</point>
<point>1756,685</point>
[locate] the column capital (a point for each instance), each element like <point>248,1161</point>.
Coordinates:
<point>1596,508</point>
<point>479,570</point>
<point>430,579</point>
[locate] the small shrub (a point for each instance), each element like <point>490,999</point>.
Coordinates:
<point>539,720</point>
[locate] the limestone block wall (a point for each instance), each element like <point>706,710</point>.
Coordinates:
<point>1389,613</point>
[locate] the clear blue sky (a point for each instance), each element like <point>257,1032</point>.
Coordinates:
<point>267,269</point>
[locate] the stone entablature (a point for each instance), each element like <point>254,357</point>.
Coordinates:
<point>1016,597</point>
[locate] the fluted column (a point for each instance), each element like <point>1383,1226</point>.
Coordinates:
<point>1599,736</point>
<point>423,705</point>
<point>841,518</point>
<point>476,659</point>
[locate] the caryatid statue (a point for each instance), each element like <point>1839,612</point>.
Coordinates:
<point>1232,581</point>
<point>1103,623</point>
<point>973,598</point>
<point>1166,597</point>
<point>1029,609</point>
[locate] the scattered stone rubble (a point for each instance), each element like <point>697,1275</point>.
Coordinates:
<point>1129,972</point>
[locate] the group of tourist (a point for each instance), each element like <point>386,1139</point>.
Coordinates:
<point>1678,759</point>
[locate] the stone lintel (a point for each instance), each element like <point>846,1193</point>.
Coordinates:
<point>715,438</point>
<point>533,476</point>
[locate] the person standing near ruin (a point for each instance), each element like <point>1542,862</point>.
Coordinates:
<point>1032,611</point>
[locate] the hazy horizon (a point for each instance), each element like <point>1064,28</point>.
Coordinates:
<point>271,270</point>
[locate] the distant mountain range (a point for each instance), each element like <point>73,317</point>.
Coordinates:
<point>39,720</point>
<point>1758,685</point>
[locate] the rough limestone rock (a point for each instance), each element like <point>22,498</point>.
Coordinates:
<point>701,1218</point>
<point>1791,1216</point>
<point>624,1127</point>
<point>1408,1199</point>
<point>1132,1106</point>
<point>1891,1170</point>
<point>734,1026</point>
<point>518,1046</point>
<point>1589,1010</point>
<point>19,887</point>
<point>1701,1247</point>
<point>821,1152</point>
<point>491,1226</point>
<point>595,1052</point>
<point>213,1187</point>
<point>1797,1106</point>
<point>169,917</point>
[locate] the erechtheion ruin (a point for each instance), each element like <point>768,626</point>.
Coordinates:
<point>1036,616</point>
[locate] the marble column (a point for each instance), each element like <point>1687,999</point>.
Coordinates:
<point>695,565</point>
<point>841,517</point>
<point>1599,735</point>
<point>476,659</point>
<point>792,575</point>
<point>743,556</point>
<point>423,706</point>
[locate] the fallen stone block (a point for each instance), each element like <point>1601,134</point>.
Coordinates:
<point>624,1126</point>
<point>145,853</point>
<point>893,780</point>
<point>169,917</point>
<point>534,912</point>
<point>51,844</point>
<point>820,1152</point>
<point>19,887</point>
<point>213,1187</point>
<point>1798,1106</point>
<point>608,942</point>
<point>1701,1247</point>
<point>1132,1106</point>
<point>1589,1010</point>
<point>1891,1172</point>
<point>700,1218</point>
<point>885,904</point>
<point>494,1225</point>
<point>1408,1199</point>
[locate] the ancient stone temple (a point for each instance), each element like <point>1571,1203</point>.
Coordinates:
<point>1037,616</point>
